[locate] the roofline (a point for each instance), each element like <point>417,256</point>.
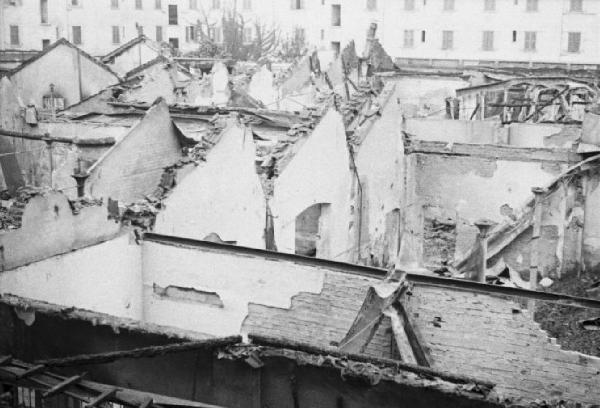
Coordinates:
<point>62,41</point>
<point>147,64</point>
<point>376,273</point>
<point>122,48</point>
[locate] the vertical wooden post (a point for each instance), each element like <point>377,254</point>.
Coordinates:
<point>534,257</point>
<point>484,227</point>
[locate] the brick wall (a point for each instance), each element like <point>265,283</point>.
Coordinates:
<point>495,339</point>
<point>479,335</point>
<point>322,318</point>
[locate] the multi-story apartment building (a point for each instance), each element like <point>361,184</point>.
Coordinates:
<point>99,26</point>
<point>453,32</point>
<point>450,32</point>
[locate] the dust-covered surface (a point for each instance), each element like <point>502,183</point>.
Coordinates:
<point>562,322</point>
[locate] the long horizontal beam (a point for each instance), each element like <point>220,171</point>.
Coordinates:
<point>144,352</point>
<point>385,362</point>
<point>372,272</point>
<point>46,137</point>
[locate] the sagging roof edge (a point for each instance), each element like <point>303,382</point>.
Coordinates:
<point>99,319</point>
<point>522,79</point>
<point>372,272</point>
<point>272,342</point>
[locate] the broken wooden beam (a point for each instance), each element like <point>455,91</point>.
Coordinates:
<point>266,341</point>
<point>144,352</point>
<point>417,349</point>
<point>105,396</point>
<point>368,319</point>
<point>398,329</point>
<point>146,403</point>
<point>31,371</point>
<point>62,385</point>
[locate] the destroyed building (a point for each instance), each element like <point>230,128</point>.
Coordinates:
<point>306,236</point>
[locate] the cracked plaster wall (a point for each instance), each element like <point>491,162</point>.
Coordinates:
<point>238,280</point>
<point>465,189</point>
<point>222,195</point>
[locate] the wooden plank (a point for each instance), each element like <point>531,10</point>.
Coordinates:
<point>105,396</point>
<point>31,371</point>
<point>406,352</point>
<point>146,403</point>
<point>143,352</point>
<point>419,352</point>
<point>62,385</point>
<point>379,297</point>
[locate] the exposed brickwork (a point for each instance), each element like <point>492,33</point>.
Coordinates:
<point>495,339</point>
<point>478,335</point>
<point>320,319</point>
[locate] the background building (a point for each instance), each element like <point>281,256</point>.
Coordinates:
<point>445,32</point>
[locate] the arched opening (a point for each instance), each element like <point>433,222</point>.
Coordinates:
<point>312,235</point>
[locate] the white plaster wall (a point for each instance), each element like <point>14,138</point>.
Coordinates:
<point>105,278</point>
<point>591,229</point>
<point>531,134</point>
<point>238,281</point>
<point>473,188</point>
<point>60,67</point>
<point>454,131</point>
<point>223,195</point>
<point>380,162</point>
<point>319,173</point>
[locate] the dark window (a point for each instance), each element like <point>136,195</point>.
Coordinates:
<point>371,5</point>
<point>116,35</point>
<point>297,4</point>
<point>76,35</point>
<point>75,3</point>
<point>530,40</point>
<point>423,36</point>
<point>447,40</point>
<point>14,35</point>
<point>159,33</point>
<point>138,4</point>
<point>114,4</point>
<point>532,5</point>
<point>576,5</point>
<point>488,41</point>
<point>174,42</point>
<point>336,15</point>
<point>172,14</point>
<point>574,42</point>
<point>45,44</point>
<point>514,36</point>
<point>44,11</point>
<point>336,47</point>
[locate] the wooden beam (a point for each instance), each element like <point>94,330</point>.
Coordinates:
<point>144,352</point>
<point>4,360</point>
<point>379,297</point>
<point>146,403</point>
<point>62,385</point>
<point>418,351</point>
<point>31,371</point>
<point>105,396</point>
<point>406,352</point>
<point>386,362</point>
